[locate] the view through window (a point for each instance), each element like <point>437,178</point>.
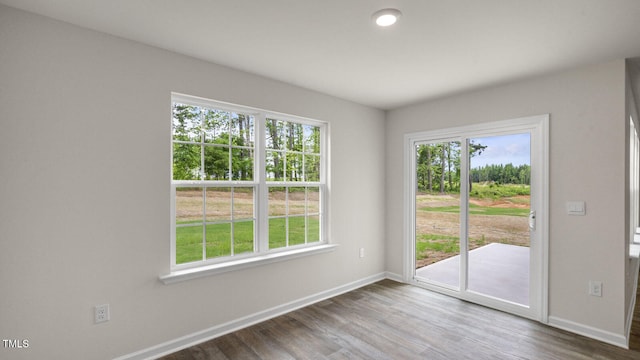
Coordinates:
<point>227,162</point>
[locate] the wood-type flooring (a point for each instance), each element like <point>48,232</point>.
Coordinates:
<point>390,320</point>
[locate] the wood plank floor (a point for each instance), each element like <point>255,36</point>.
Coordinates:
<point>634,338</point>
<point>390,320</point>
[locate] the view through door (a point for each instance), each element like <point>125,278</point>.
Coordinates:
<point>437,215</point>
<point>492,247</point>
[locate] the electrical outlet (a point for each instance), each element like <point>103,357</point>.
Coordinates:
<point>595,288</point>
<point>361,252</point>
<point>101,313</point>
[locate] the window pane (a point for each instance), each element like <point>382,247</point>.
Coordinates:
<point>437,212</point>
<point>186,161</point>
<point>188,244</point>
<point>313,200</point>
<point>216,126</point>
<point>218,204</point>
<point>186,123</point>
<point>311,139</point>
<point>294,167</point>
<point>216,162</point>
<point>242,130</point>
<point>243,203</point>
<point>218,240</point>
<point>296,201</point>
<point>312,167</point>
<point>296,230</point>
<point>295,137</point>
<point>242,164</point>
<point>277,233</point>
<point>313,229</point>
<point>188,211</point>
<point>275,134</point>
<point>189,205</point>
<point>243,237</point>
<point>277,201</point>
<point>275,166</point>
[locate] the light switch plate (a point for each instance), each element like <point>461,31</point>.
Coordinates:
<point>595,288</point>
<point>576,208</point>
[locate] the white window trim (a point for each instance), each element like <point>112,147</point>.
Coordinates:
<point>245,263</point>
<point>262,255</point>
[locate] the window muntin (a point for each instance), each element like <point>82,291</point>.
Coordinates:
<point>212,144</point>
<point>294,215</point>
<point>293,171</point>
<point>223,169</point>
<point>293,151</point>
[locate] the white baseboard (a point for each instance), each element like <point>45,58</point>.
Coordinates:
<point>394,276</point>
<point>231,326</point>
<point>590,332</point>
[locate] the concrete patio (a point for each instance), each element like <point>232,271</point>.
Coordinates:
<point>497,270</point>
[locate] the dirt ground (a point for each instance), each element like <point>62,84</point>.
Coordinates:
<point>483,229</point>
<point>189,203</point>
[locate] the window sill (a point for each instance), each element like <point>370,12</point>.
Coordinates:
<point>208,270</point>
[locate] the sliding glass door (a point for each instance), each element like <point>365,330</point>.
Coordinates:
<point>499,205</point>
<point>475,199</point>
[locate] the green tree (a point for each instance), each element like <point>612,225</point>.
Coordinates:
<point>274,142</point>
<point>186,130</point>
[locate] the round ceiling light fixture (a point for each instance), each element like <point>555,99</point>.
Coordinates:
<point>386,17</point>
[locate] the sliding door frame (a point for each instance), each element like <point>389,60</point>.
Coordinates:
<point>538,127</point>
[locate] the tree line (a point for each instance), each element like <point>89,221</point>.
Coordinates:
<point>502,174</point>
<point>438,168</point>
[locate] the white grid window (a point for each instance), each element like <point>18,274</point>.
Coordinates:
<point>245,182</point>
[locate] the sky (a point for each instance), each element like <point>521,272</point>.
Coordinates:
<point>503,149</point>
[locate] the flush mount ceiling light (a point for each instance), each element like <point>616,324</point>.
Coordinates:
<point>386,17</point>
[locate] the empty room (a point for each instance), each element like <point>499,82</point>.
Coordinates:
<point>298,179</point>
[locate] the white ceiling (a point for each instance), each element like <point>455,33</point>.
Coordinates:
<point>438,47</point>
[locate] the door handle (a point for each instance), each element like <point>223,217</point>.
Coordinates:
<point>532,220</point>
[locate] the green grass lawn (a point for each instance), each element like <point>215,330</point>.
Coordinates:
<point>218,244</point>
<point>441,243</point>
<point>480,210</point>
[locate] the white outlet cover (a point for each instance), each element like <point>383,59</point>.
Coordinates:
<point>101,313</point>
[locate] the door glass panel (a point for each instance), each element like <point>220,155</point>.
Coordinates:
<point>437,205</point>
<point>499,205</point>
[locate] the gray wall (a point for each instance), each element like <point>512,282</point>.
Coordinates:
<point>84,189</point>
<point>84,193</point>
<point>587,151</point>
